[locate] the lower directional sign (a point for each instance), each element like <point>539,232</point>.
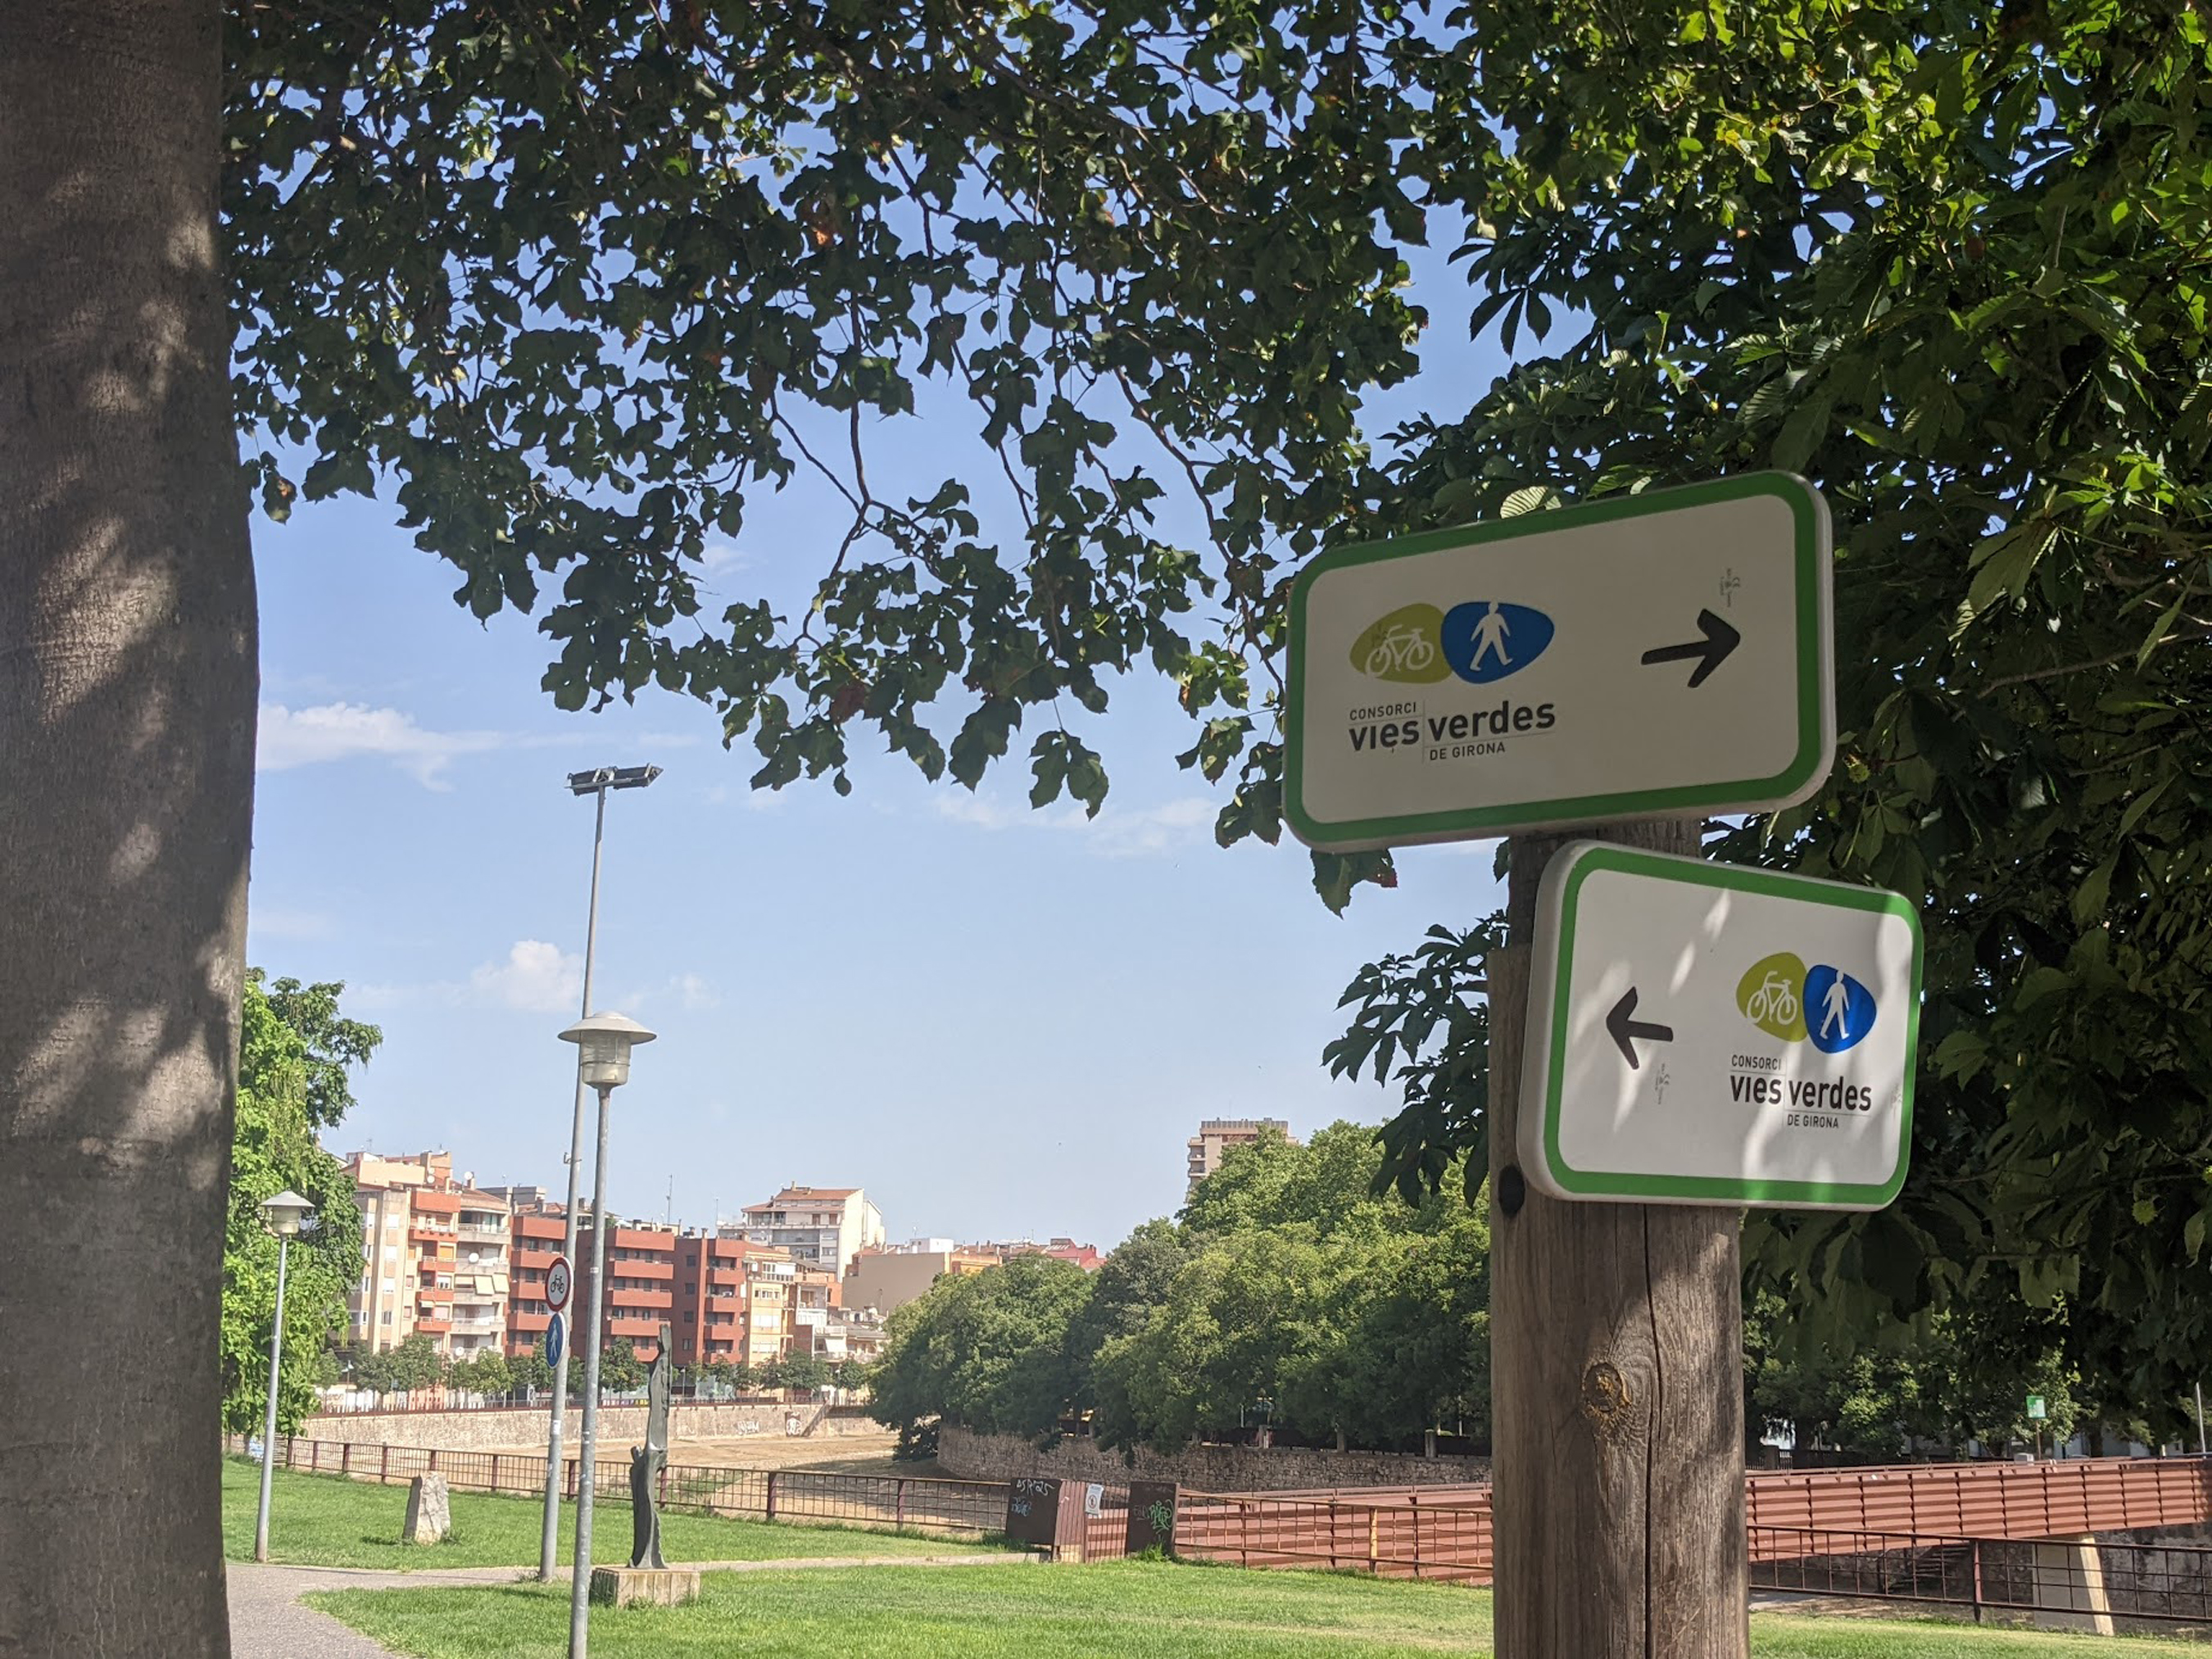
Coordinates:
<point>1706,1034</point>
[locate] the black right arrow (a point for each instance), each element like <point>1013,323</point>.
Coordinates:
<point>1622,1025</point>
<point>1710,652</point>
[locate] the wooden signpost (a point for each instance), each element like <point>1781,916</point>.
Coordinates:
<point>1507,678</point>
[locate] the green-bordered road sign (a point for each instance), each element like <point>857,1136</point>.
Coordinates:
<point>1657,654</point>
<point>2036,1412</point>
<point>1707,1034</point>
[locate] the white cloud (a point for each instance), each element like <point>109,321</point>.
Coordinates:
<point>694,992</point>
<point>536,977</point>
<point>1115,833</point>
<point>1154,828</point>
<point>342,731</point>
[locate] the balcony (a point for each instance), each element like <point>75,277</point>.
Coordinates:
<point>655,1299</point>
<point>632,1327</point>
<point>422,1234</point>
<point>434,1327</point>
<point>536,1255</point>
<point>535,1324</point>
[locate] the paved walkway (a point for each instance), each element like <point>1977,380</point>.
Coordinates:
<point>268,1622</point>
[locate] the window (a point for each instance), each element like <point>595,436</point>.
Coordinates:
<point>386,1319</point>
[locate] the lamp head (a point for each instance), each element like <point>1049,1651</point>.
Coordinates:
<point>604,1041</point>
<point>611,777</point>
<point>285,1212</point>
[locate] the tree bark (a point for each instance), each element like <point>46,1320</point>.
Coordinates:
<point>1616,1369</point>
<point>127,691</point>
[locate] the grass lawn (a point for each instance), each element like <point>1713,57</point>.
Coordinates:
<point>1117,1610</point>
<point>328,1520</point>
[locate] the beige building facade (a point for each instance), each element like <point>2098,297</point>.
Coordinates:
<point>1215,1135</point>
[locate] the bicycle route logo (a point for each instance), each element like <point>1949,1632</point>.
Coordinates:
<point>1820,1005</point>
<point>1482,641</point>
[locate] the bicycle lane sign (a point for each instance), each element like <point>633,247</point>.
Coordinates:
<point>1707,1034</point>
<point>1655,654</point>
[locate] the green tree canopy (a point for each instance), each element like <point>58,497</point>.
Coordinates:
<point>987,1351</point>
<point>294,1051</point>
<point>1287,1282</point>
<point>1948,262</point>
<point>407,1365</point>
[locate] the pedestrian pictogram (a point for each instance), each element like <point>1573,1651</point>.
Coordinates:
<point>1655,654</point>
<point>1785,1009</point>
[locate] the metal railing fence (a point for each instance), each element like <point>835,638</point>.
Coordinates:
<point>2167,1582</point>
<point>800,1496</point>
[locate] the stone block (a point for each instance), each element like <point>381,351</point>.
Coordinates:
<point>429,1510</point>
<point>656,1587</point>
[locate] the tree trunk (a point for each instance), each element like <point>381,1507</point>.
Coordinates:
<point>127,688</point>
<point>1617,1376</point>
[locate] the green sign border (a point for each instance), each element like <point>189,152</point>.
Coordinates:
<point>1816,675</point>
<point>1586,858</point>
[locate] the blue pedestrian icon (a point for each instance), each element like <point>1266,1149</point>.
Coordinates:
<point>1839,1010</point>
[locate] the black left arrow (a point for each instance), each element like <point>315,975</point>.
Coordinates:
<point>1622,1025</point>
<point>1708,654</point>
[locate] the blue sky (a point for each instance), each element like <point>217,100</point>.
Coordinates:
<point>1000,1023</point>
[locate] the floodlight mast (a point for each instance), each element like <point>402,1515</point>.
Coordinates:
<point>600,779</point>
<point>596,781</point>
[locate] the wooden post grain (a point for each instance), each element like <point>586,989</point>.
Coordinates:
<point>1617,1389</point>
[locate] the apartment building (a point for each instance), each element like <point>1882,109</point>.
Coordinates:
<point>771,1292</point>
<point>711,1304</point>
<point>1215,1135</point>
<point>825,1225</point>
<point>1085,1256</point>
<point>816,1301</point>
<point>535,1235</point>
<point>435,1256</point>
<point>888,1279</point>
<point>641,1294</point>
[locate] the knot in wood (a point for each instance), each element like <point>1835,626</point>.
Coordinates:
<point>1606,1400</point>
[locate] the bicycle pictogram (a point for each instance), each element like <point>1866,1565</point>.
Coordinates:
<point>1773,1000</point>
<point>1402,650</point>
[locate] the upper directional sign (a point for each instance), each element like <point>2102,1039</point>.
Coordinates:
<point>1706,1034</point>
<point>1664,654</point>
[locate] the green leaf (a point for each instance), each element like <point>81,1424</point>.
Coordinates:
<point>2002,562</point>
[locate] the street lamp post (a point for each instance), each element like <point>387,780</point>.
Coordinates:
<point>597,781</point>
<point>283,1214</point>
<point>603,1042</point>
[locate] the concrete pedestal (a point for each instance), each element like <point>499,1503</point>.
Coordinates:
<point>2069,1586</point>
<point>657,1587</point>
<point>429,1510</point>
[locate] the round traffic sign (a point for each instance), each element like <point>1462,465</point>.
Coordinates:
<point>557,1279</point>
<point>556,1341</point>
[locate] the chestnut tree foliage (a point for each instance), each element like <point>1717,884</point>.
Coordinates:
<point>1951,262</point>
<point>576,284</point>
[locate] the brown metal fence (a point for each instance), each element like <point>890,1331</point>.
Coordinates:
<point>1910,1522</point>
<point>1441,1532</point>
<point>1444,1532</point>
<point>1989,1500</point>
<point>804,1497</point>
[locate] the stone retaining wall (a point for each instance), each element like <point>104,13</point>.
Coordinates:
<point>525,1426</point>
<point>969,1457</point>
